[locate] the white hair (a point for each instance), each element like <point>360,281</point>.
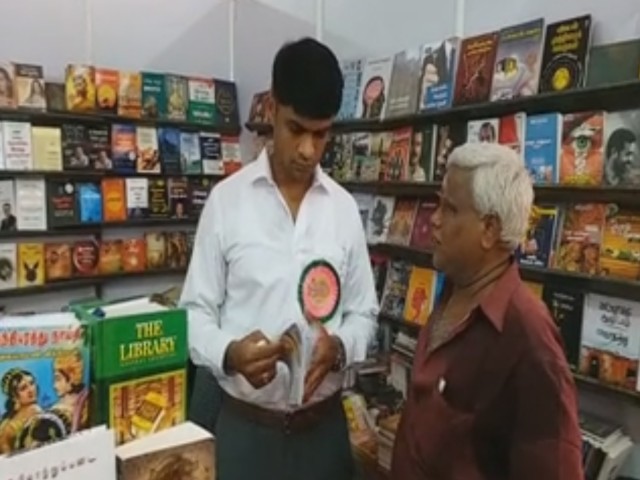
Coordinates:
<point>500,186</point>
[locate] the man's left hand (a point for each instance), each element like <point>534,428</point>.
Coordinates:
<point>325,354</point>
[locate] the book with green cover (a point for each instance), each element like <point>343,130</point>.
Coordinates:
<point>139,360</point>
<point>614,63</point>
<point>154,98</point>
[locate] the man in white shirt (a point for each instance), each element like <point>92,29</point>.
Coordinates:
<point>281,243</point>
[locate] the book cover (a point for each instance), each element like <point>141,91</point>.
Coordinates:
<point>29,87</point>
<point>483,131</point>
<point>620,253</point>
<point>46,144</point>
<point>80,88</point>
<point>364,201</point>
<point>211,151</point>
<point>75,154</point>
<point>397,161</point>
<point>420,295</point>
<point>31,264</point>
<point>438,74</point>
<point>89,198</point>
<point>342,163</point>
<point>610,340</point>
<point>566,307</point>
<point>8,266</point>
<point>364,166</point>
<point>85,256</point>
<point>420,161</point>
<point>31,204</point>
<point>190,156</point>
<point>61,203</point>
<point>154,98</point>
<point>582,156</point>
<point>114,199</point>
<point>621,160</point>
<point>45,376</point>
<point>395,289</point>
<point>581,238</point>
<point>404,215</point>
<point>374,87</point>
<point>56,99</point>
<point>169,146</point>
<point>260,111</point>
<point>199,189</point>
<point>110,260</point>
<point>137,197</point>
<point>182,451</point>
<point>130,94</point>
<point>99,146</point>
<point>518,59</point>
<point>512,132</point>
<point>447,138</point>
<point>566,50</point>
<point>9,222</point>
<point>536,249</point>
<point>380,219</point>
<point>156,250</point>
<point>613,63</point>
<point>405,82</point>
<point>543,139</point>
<point>375,164</point>
<point>58,263</point>
<point>352,78</point>
<point>226,103</point>
<point>107,89</point>
<point>148,152</point>
<point>158,198</point>
<point>177,250</point>
<point>134,255</point>
<point>177,97</point>
<point>421,237</point>
<point>178,189</point>
<point>7,85</point>
<point>231,157</point>
<point>123,147</point>
<point>16,137</point>
<point>474,73</point>
<point>202,100</point>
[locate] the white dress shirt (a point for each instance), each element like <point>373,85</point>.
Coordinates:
<point>247,261</point>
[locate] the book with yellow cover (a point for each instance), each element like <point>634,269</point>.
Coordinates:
<point>58,261</point>
<point>46,148</point>
<point>80,88</point>
<point>420,295</point>
<point>620,251</point>
<point>130,94</point>
<point>31,264</point>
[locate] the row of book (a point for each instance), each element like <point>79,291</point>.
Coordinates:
<point>121,364</point>
<point>583,148</point>
<point>147,95</point>
<point>601,334</point>
<point>589,238</point>
<point>121,147</point>
<point>31,264</point>
<point>36,204</point>
<point>514,62</point>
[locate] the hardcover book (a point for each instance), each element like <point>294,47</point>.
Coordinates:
<point>202,100</point>
<point>80,88</point>
<point>107,90</point>
<point>374,88</point>
<point>89,198</point>
<point>46,143</point>
<point>621,162</point>
<point>154,98</point>
<point>130,94</point>
<point>124,148</point>
<point>226,108</point>
<point>158,198</point>
<point>177,97</point>
<point>85,257</point>
<point>61,198</point>
<point>31,264</point>
<point>110,261</point>
<point>581,160</point>
<point>438,73</point>
<point>29,87</point>
<point>475,69</point>
<point>58,261</point>
<point>405,82</point>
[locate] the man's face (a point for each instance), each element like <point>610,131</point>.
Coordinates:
<point>461,236</point>
<point>629,153</point>
<point>298,142</point>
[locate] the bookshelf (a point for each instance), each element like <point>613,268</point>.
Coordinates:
<point>620,96</point>
<point>100,231</point>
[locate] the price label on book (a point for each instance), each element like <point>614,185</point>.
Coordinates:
<point>319,291</point>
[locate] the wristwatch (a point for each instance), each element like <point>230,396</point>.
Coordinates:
<point>341,359</point>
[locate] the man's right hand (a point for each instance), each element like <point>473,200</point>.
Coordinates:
<point>255,358</point>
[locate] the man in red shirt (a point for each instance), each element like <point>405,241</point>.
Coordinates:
<point>491,395</point>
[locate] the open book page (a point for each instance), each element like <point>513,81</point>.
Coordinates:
<point>299,344</point>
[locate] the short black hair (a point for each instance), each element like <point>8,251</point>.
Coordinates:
<point>618,139</point>
<point>306,76</point>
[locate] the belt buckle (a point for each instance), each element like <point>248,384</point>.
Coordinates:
<point>288,417</point>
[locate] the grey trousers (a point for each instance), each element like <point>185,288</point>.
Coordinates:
<point>248,451</point>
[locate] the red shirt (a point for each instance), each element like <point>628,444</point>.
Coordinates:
<point>494,402</point>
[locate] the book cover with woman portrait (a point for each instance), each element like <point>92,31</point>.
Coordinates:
<point>44,380</point>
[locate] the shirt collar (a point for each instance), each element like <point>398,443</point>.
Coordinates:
<point>262,172</point>
<point>495,303</point>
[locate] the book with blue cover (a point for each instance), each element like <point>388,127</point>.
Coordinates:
<point>542,147</point>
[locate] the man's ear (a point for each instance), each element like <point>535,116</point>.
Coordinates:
<point>271,106</point>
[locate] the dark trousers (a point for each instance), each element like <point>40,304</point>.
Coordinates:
<point>246,450</point>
